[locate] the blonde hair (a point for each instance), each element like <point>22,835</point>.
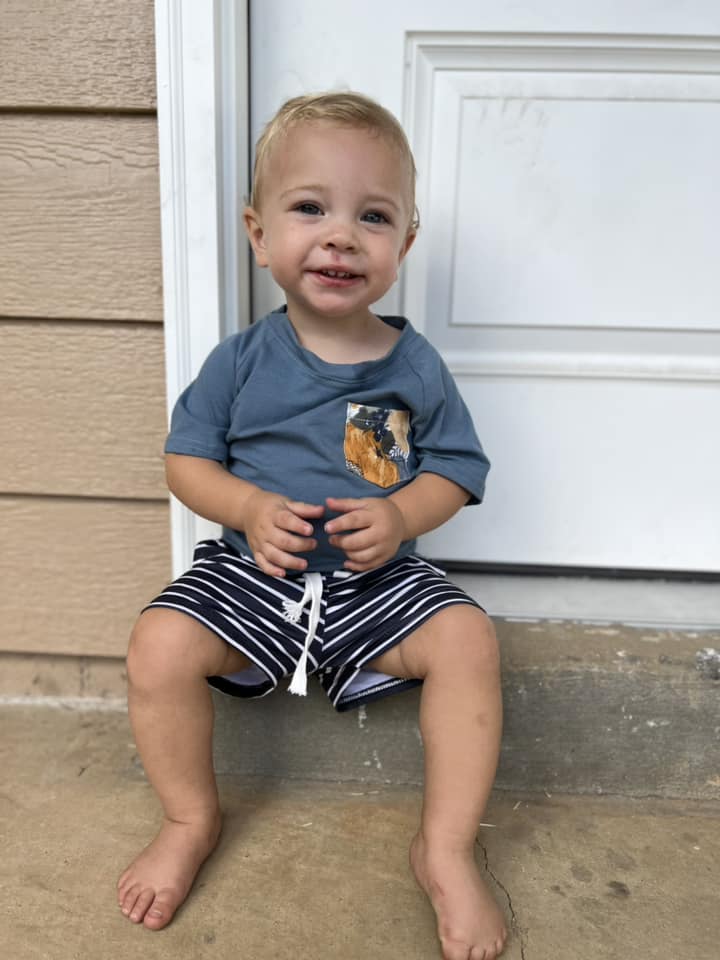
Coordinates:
<point>344,109</point>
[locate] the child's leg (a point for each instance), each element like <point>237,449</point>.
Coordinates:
<point>171,713</point>
<point>456,655</point>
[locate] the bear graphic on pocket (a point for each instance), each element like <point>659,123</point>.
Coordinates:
<point>377,443</point>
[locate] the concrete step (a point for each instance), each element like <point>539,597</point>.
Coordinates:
<point>589,709</point>
<point>320,871</point>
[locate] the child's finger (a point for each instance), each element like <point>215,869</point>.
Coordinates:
<point>355,519</point>
<point>267,567</point>
<point>344,504</point>
<point>358,565</point>
<point>279,559</point>
<point>292,523</point>
<point>309,511</point>
<point>349,542</point>
<point>368,553</point>
<point>289,543</point>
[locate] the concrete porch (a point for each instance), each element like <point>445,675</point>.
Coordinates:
<point>603,845</point>
<point>319,869</point>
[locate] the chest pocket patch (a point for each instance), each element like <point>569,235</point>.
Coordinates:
<point>377,444</point>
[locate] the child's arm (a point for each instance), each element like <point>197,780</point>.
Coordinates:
<point>276,528</point>
<point>378,525</point>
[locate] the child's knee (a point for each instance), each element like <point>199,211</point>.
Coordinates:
<point>471,642</point>
<point>160,648</point>
<point>458,641</point>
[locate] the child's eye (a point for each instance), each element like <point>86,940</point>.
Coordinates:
<point>311,209</point>
<point>374,216</point>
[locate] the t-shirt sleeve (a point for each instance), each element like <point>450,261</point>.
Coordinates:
<point>201,417</point>
<point>444,435</point>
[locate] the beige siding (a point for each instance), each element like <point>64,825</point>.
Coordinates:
<point>79,571</point>
<point>96,54</point>
<point>51,675</point>
<point>83,507</point>
<point>79,205</point>
<point>93,393</point>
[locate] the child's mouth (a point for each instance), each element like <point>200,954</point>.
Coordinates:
<point>340,274</point>
<point>336,278</point>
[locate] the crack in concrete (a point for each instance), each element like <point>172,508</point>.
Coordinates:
<point>514,922</point>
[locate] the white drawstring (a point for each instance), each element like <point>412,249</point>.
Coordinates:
<point>292,611</point>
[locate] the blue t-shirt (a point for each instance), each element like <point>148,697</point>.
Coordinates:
<point>278,416</point>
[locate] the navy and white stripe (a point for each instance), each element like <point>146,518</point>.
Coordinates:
<point>362,615</point>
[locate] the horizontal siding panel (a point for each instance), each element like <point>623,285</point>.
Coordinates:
<point>83,409</point>
<point>43,675</point>
<point>75,573</point>
<point>90,54</point>
<point>80,215</point>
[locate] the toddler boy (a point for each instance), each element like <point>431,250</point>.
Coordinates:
<point>324,439</point>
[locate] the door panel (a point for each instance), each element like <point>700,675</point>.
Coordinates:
<point>567,262</point>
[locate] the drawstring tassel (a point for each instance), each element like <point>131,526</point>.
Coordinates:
<point>298,684</point>
<point>292,611</point>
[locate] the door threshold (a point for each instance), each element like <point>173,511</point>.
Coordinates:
<point>664,604</point>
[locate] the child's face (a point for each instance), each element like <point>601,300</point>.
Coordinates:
<point>334,222</point>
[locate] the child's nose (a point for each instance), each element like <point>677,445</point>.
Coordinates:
<point>340,236</point>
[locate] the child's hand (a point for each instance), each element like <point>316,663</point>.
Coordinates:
<point>377,529</point>
<point>276,528</point>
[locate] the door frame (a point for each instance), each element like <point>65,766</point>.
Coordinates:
<point>202,63</point>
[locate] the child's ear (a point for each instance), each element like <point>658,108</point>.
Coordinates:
<point>407,243</point>
<point>256,235</point>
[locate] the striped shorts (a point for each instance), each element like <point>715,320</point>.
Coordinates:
<point>329,624</point>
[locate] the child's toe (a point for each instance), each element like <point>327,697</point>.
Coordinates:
<point>137,914</point>
<point>130,898</point>
<point>162,910</point>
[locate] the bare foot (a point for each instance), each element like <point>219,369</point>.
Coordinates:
<point>470,924</point>
<point>159,880</point>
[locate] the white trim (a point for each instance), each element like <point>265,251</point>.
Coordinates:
<point>661,53</point>
<point>234,157</point>
<point>619,366</point>
<point>202,91</point>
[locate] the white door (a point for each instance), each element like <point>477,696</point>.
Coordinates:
<point>568,266</point>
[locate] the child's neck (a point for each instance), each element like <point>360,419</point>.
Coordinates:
<point>345,340</point>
